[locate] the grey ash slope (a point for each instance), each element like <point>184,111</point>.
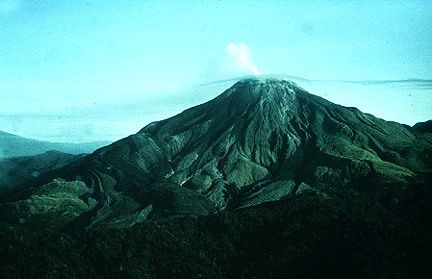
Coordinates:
<point>262,140</point>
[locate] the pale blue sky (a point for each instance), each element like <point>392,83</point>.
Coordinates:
<point>103,69</point>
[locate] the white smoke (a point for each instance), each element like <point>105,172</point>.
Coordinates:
<point>241,55</point>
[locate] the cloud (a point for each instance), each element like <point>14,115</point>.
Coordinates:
<point>240,53</point>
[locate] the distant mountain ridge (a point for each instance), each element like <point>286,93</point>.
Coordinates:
<point>14,146</point>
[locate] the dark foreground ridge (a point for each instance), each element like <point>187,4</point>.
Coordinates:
<point>265,180</point>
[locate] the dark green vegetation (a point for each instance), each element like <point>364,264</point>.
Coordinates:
<point>16,171</point>
<point>266,180</point>
<point>13,146</point>
<point>304,236</point>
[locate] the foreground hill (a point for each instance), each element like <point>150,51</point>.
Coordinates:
<point>15,172</point>
<point>14,146</point>
<point>265,180</point>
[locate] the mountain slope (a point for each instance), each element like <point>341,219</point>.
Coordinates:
<point>259,141</point>
<point>262,131</point>
<point>14,146</point>
<point>266,180</point>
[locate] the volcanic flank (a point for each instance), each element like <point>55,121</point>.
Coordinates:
<point>261,140</point>
<point>261,144</point>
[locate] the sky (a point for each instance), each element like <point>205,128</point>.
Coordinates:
<point>79,71</point>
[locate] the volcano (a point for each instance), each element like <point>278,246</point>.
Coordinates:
<point>262,147</point>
